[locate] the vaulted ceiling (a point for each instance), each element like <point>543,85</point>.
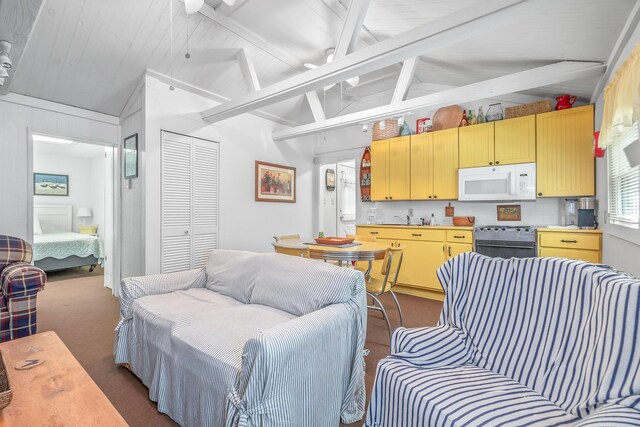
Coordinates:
<point>91,53</point>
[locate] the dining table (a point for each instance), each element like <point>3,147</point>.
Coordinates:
<point>362,251</point>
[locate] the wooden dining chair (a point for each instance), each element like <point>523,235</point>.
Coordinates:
<point>377,286</point>
<point>286,237</point>
<point>362,238</point>
<point>292,251</point>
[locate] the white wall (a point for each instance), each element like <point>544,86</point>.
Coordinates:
<point>133,204</point>
<point>243,223</point>
<point>327,202</point>
<point>43,117</point>
<point>621,245</point>
<point>86,184</point>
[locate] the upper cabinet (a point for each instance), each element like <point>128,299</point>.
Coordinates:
<point>504,142</point>
<point>565,162</point>
<point>515,140</point>
<point>391,169</point>
<point>476,145</point>
<point>434,165</point>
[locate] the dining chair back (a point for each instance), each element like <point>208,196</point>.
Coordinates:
<point>286,237</point>
<point>362,238</point>
<point>293,251</point>
<point>391,266</point>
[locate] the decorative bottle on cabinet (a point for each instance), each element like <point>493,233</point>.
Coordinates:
<point>464,121</point>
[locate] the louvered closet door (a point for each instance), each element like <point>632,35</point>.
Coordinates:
<point>176,202</point>
<point>205,200</point>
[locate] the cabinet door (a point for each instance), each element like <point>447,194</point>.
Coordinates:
<point>380,170</point>
<point>476,145</point>
<point>445,164</point>
<point>454,249</point>
<point>515,140</point>
<point>422,166</point>
<point>419,264</point>
<point>400,168</point>
<point>204,201</point>
<point>565,163</point>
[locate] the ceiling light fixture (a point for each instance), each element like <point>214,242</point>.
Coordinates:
<point>192,6</point>
<point>331,53</point>
<point>5,59</point>
<point>3,73</point>
<point>44,138</point>
<point>1,82</point>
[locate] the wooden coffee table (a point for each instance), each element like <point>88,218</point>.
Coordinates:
<point>56,393</point>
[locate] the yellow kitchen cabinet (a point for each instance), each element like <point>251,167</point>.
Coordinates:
<point>565,163</point>
<point>434,165</point>
<point>515,140</point>
<point>454,249</point>
<point>391,169</point>
<point>585,245</point>
<point>380,170</point>
<point>420,261</point>
<point>476,145</point>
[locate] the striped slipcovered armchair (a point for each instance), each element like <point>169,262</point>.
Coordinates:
<point>20,282</point>
<point>520,342</point>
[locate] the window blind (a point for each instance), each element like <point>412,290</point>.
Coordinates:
<point>624,181</point>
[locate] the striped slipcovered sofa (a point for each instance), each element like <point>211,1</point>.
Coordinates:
<point>520,342</point>
<point>250,340</point>
<point>20,283</point>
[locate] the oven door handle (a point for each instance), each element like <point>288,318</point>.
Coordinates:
<point>505,246</point>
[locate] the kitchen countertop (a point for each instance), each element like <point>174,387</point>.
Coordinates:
<point>570,230</point>
<point>421,227</point>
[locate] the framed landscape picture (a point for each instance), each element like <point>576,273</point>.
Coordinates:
<point>131,156</point>
<point>49,184</point>
<point>508,212</point>
<point>275,183</point>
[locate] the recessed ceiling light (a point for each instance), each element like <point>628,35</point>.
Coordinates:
<point>43,138</point>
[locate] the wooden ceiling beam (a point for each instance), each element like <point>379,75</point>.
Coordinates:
<point>351,28</point>
<point>516,82</point>
<point>482,17</point>
<point>248,69</point>
<point>404,80</point>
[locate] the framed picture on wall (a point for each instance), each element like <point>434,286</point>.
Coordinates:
<point>508,212</point>
<point>275,183</point>
<point>131,156</point>
<point>330,179</point>
<point>49,184</point>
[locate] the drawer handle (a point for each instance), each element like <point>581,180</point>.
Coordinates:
<point>459,237</point>
<point>416,234</point>
<point>373,232</point>
<point>569,241</point>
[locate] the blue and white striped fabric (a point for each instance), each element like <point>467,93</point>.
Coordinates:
<point>534,341</point>
<point>293,358</point>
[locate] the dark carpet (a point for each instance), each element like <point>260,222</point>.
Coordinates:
<point>84,314</point>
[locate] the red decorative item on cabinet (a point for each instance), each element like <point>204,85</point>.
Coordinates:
<point>565,101</point>
<point>365,176</point>
<point>597,151</point>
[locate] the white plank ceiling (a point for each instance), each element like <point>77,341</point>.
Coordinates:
<point>91,53</point>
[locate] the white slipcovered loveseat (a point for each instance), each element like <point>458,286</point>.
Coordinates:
<point>251,340</point>
<point>520,342</point>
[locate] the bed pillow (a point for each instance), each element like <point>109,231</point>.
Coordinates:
<point>50,228</point>
<point>37,229</point>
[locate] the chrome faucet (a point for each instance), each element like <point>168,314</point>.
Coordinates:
<point>408,220</point>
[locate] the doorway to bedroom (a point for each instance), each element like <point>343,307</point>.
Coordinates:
<point>73,208</point>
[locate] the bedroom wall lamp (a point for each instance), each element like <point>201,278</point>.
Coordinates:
<point>83,214</point>
<point>5,59</point>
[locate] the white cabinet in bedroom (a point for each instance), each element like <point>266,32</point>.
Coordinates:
<point>189,201</point>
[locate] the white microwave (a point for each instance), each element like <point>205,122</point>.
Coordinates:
<point>508,182</point>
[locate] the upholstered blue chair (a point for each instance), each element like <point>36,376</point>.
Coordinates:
<point>520,342</point>
<point>20,282</point>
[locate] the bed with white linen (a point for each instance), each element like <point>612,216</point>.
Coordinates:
<point>56,247</point>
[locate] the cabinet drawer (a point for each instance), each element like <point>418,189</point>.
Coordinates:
<point>459,236</point>
<point>579,254</point>
<point>570,240</point>
<point>418,234</point>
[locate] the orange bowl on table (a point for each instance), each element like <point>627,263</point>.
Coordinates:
<point>334,240</point>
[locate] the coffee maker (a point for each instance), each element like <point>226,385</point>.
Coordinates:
<point>587,210</point>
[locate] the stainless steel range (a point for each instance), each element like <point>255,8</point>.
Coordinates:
<point>505,241</point>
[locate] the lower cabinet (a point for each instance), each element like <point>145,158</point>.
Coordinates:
<point>426,249</point>
<point>584,245</point>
